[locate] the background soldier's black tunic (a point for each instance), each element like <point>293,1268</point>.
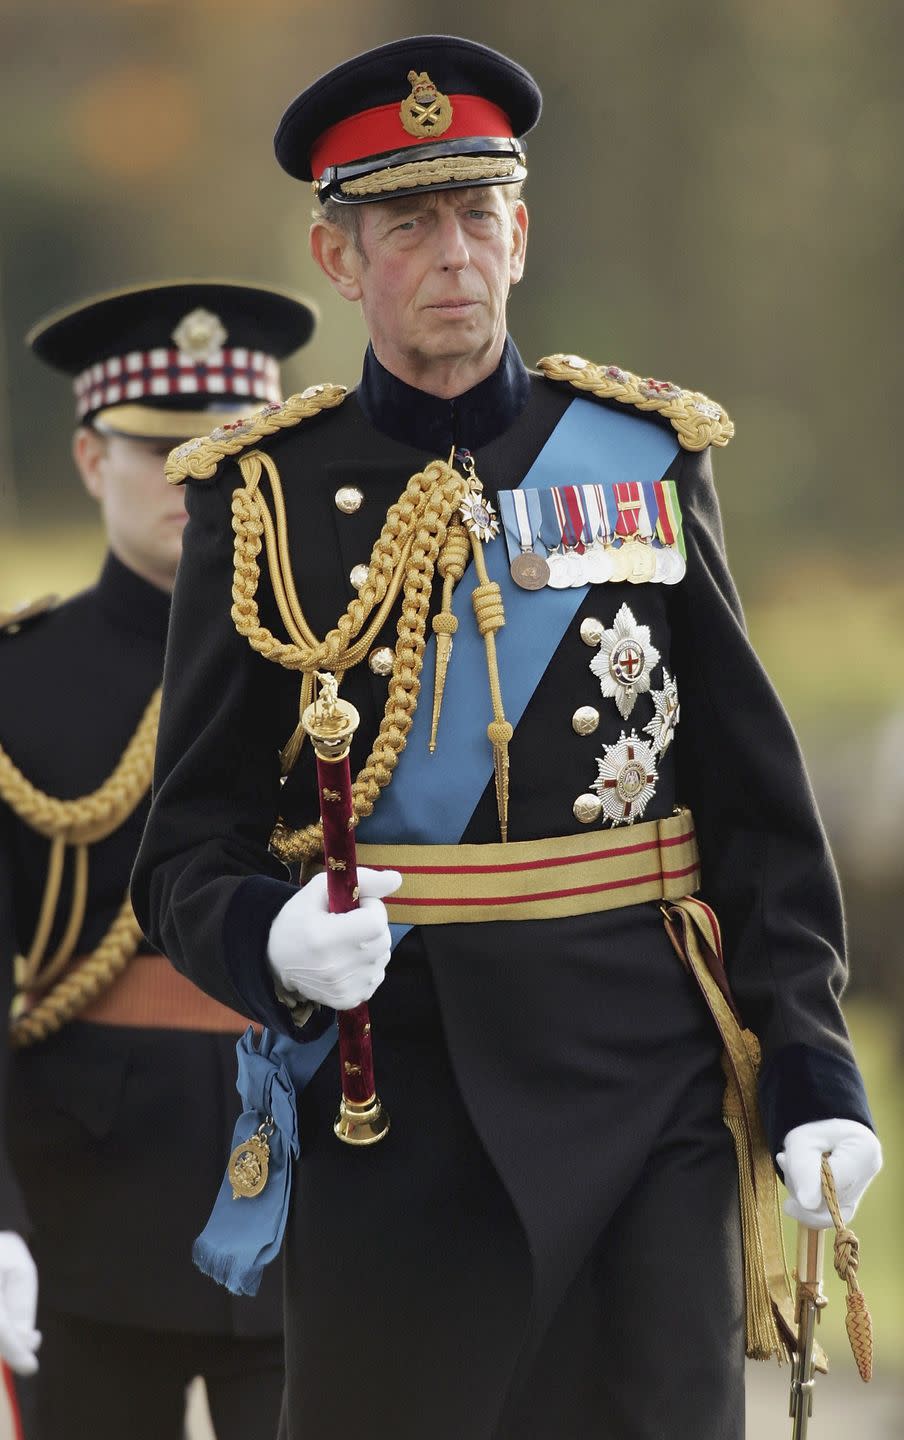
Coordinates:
<point>557,1172</point>
<point>118,1135</point>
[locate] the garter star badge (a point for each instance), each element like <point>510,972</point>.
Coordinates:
<point>661,728</point>
<point>426,112</point>
<point>627,778</point>
<point>624,662</point>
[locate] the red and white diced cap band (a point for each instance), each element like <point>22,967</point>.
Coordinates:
<point>143,374</point>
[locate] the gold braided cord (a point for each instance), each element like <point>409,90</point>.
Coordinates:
<point>78,823</point>
<point>38,973</point>
<point>198,459</point>
<point>403,560</point>
<point>858,1321</point>
<point>490,615</point>
<point>89,817</point>
<point>462,168</point>
<point>252,518</point>
<point>697,420</point>
<point>80,986</point>
<point>391,557</point>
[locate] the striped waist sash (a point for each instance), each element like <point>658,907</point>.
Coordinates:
<point>540,879</point>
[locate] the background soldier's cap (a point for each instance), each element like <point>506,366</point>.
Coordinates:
<point>431,112</point>
<point>175,359</point>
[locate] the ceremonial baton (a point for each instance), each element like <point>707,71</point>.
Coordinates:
<point>331,723</point>
<point>809,1301</point>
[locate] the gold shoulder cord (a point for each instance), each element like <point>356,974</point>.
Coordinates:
<point>78,823</point>
<point>697,420</point>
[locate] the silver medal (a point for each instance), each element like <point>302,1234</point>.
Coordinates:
<point>677,567</point>
<point>559,576</point>
<point>575,569</point>
<point>597,564</point>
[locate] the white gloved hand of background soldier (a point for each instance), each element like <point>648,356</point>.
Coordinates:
<point>336,960</point>
<point>855,1156</point>
<point>19,1339</point>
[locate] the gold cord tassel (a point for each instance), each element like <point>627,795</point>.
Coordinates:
<point>858,1321</point>
<point>451,565</point>
<point>490,614</point>
<point>288,756</point>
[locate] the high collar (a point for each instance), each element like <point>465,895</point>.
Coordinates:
<point>429,423</point>
<point>132,602</point>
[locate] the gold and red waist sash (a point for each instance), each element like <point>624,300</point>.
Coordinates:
<point>548,879</point>
<point>151,995</point>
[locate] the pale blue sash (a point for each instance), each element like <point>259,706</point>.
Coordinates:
<point>432,797</point>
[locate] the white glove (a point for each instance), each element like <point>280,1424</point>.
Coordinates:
<point>855,1156</point>
<point>336,960</point>
<point>18,1304</point>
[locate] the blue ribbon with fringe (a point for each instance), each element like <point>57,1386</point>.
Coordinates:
<point>244,1235</point>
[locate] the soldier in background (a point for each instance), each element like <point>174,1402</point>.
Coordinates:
<point>547,1242</point>
<point>121,1094</point>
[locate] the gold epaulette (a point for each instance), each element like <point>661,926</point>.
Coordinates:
<point>11,621</point>
<point>697,420</point>
<point>199,459</point>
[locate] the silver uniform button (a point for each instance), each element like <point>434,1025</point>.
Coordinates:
<point>592,631</point>
<point>349,499</point>
<point>585,720</point>
<point>587,809</point>
<point>381,660</point>
<point>358,575</point>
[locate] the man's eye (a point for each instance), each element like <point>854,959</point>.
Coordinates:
<point>478,214</point>
<point>406,225</point>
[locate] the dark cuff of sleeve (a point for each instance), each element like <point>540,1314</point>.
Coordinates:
<point>249,915</point>
<point>800,1083</point>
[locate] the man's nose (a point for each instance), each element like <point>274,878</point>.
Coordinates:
<point>454,253</point>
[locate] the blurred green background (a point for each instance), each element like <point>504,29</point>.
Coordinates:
<point>715,198</point>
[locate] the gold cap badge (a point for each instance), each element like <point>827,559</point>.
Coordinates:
<point>200,334</point>
<point>426,112</point>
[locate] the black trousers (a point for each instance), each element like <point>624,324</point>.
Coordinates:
<point>413,1306</point>
<point>117,1382</point>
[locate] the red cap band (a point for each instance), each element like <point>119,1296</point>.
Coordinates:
<point>380,130</point>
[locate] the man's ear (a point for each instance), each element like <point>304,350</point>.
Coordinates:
<point>89,451</point>
<point>338,257</point>
<point>519,242</point>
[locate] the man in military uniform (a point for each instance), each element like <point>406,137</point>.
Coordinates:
<point>547,1242</point>
<point>122,1075</point>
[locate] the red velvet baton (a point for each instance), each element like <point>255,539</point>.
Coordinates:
<point>331,723</point>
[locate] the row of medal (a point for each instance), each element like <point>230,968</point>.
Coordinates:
<point>627,773</point>
<point>575,535</point>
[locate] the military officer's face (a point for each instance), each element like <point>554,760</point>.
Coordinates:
<point>432,273</point>
<point>143,515</point>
